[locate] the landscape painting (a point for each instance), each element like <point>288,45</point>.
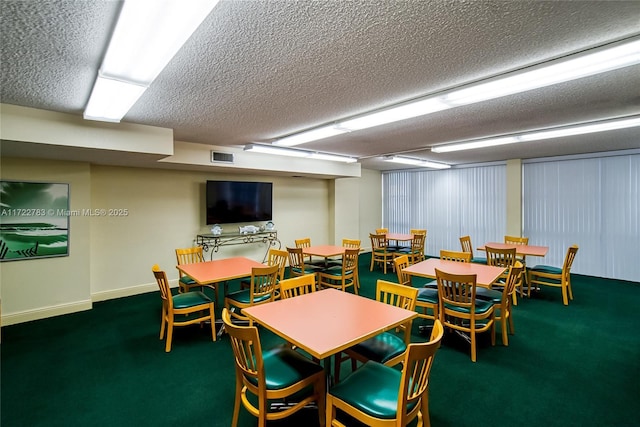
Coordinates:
<point>34,220</point>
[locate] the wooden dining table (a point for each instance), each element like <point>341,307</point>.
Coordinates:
<point>485,274</point>
<point>325,322</point>
<point>522,250</point>
<point>210,273</point>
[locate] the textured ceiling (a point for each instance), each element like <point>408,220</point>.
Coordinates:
<point>257,70</point>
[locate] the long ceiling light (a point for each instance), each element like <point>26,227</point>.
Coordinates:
<point>146,38</point>
<point>416,162</point>
<point>588,63</point>
<point>281,151</point>
<point>579,129</point>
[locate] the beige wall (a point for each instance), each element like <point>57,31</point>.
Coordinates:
<point>112,256</point>
<point>32,289</point>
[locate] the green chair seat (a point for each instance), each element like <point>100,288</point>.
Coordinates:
<point>491,295</point>
<point>186,280</point>
<point>284,367</point>
<point>429,295</point>
<point>379,402</point>
<point>482,306</point>
<point>546,269</point>
<point>381,348</point>
<point>244,296</point>
<point>336,271</point>
<point>190,299</point>
<point>308,269</point>
<point>479,260</point>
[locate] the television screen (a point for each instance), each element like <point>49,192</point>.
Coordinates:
<point>238,201</point>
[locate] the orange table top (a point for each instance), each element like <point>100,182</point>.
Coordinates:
<point>219,270</point>
<point>485,274</point>
<point>520,249</point>
<point>326,322</point>
<point>401,237</point>
<point>324,250</point>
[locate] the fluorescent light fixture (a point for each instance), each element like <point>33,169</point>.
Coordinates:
<point>281,151</point>
<point>588,63</point>
<point>115,99</point>
<point>394,114</point>
<point>332,157</point>
<point>146,37</point>
<point>572,68</point>
<point>416,162</point>
<point>579,129</point>
<point>310,135</point>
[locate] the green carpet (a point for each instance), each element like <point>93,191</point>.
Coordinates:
<point>565,366</point>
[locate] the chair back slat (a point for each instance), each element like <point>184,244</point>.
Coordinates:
<point>498,257</point>
<point>568,261</point>
<point>401,263</point>
<point>465,243</point>
<point>263,281</point>
<point>456,256</point>
<point>279,258</point>
<point>163,284</point>
<point>247,350</point>
<point>296,286</point>
<point>351,243</point>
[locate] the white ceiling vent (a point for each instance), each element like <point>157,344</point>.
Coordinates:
<point>217,157</point>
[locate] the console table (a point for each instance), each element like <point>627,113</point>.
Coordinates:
<point>214,242</point>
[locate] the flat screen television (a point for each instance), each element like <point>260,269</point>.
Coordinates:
<point>239,201</point>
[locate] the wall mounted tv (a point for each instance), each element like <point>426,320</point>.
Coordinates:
<point>239,201</point>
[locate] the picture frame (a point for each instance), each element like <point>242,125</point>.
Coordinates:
<point>34,220</point>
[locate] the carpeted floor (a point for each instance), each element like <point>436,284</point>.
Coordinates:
<point>565,366</point>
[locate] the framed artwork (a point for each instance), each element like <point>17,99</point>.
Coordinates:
<point>34,220</point>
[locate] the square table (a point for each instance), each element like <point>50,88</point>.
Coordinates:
<point>324,323</point>
<point>522,250</point>
<point>219,270</point>
<point>209,273</point>
<point>485,274</point>
<point>325,251</point>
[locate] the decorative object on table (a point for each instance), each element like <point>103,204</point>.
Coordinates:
<point>216,230</point>
<point>35,220</point>
<point>269,226</point>
<point>248,229</point>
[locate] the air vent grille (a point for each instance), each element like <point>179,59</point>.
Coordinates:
<point>221,157</point>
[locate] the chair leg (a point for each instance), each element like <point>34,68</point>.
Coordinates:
<point>236,405</point>
<point>321,391</point>
<point>162,323</point>
<point>505,335</point>
<point>565,299</point>
<point>569,287</point>
<point>423,415</point>
<point>213,322</point>
<point>167,347</point>
<point>472,335</point>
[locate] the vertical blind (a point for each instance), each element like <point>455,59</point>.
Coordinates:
<point>448,203</point>
<point>593,203</point>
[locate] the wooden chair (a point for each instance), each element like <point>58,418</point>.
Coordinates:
<point>261,291</point>
<point>504,258</point>
<point>297,265</point>
<point>351,243</point>
<point>455,256</point>
<point>190,256</point>
<point>553,276</point>
<point>186,304</point>
<point>416,250</point>
<point>502,300</point>
<point>386,348</point>
<point>274,257</point>
<point>276,375</point>
<point>460,310</point>
<point>381,396</point>
<point>380,252</point>
<point>343,276</point>
<point>517,240</point>
<point>392,248</point>
<point>427,298</point>
<point>298,285</point>
<point>465,242</point>
<point>308,259</point>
